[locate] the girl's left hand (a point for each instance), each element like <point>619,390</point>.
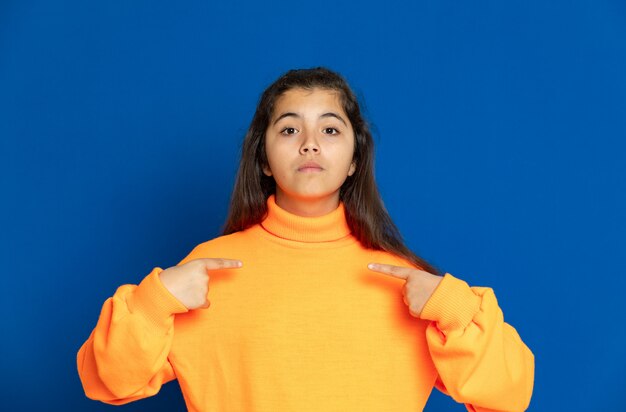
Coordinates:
<point>418,288</point>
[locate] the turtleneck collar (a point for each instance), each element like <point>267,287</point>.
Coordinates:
<point>326,228</point>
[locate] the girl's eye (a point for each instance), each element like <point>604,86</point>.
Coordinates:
<point>288,130</point>
<point>331,130</point>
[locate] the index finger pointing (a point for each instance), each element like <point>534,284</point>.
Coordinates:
<point>220,263</point>
<point>395,271</point>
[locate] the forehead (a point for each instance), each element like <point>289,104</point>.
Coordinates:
<point>316,99</point>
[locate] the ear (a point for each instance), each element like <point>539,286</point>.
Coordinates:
<point>266,170</point>
<point>352,169</point>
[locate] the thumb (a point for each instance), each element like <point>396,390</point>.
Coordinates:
<point>206,304</point>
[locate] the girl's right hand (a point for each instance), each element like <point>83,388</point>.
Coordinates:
<point>189,282</point>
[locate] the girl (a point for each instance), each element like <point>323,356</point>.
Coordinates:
<point>306,284</point>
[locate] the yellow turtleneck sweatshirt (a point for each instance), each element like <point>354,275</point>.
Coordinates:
<point>304,325</point>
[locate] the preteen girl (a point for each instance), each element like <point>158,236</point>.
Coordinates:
<point>315,303</point>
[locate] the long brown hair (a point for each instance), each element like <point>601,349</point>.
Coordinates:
<point>365,212</point>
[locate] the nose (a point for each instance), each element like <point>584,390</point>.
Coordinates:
<point>309,145</point>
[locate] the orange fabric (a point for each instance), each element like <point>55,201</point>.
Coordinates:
<point>305,326</point>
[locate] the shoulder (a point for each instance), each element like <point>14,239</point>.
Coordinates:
<point>222,246</point>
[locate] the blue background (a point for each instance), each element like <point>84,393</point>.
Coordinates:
<point>500,133</point>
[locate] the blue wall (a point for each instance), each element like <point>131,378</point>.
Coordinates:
<point>500,155</point>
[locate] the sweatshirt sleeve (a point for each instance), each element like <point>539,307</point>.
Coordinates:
<point>126,356</point>
<point>481,360</point>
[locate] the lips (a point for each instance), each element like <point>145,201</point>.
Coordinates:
<point>309,167</point>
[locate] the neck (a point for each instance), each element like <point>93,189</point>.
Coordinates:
<point>307,207</point>
<point>308,229</point>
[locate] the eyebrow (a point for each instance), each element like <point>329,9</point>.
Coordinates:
<point>292,114</point>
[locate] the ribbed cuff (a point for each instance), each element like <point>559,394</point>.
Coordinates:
<point>155,302</point>
<point>452,305</point>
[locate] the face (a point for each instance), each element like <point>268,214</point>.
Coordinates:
<point>309,144</point>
